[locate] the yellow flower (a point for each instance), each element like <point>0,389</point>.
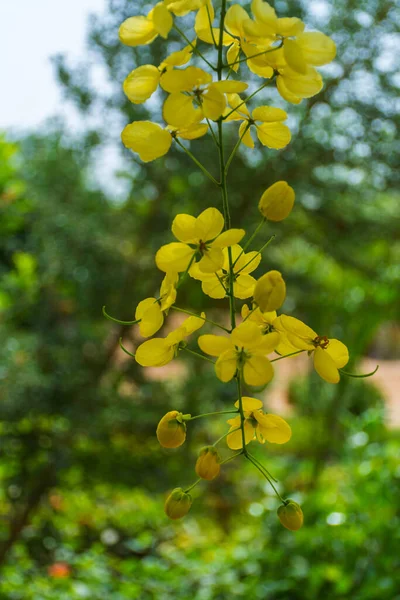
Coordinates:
<point>201,235</point>
<point>277,201</point>
<point>139,31</point>
<point>257,425</point>
<point>269,127</point>
<point>171,430</point>
<point>151,141</point>
<point>160,351</point>
<point>180,8</point>
<point>270,291</point>
<point>291,515</point>
<point>329,355</point>
<point>216,284</point>
<point>204,29</point>
<point>178,504</point>
<point>142,82</point>
<point>151,310</point>
<point>207,465</point>
<point>194,96</point>
<point>267,323</point>
<point>245,349</point>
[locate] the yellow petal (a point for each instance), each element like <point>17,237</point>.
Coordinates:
<point>213,103</point>
<point>230,87</point>
<point>162,20</point>
<point>154,353</point>
<point>174,257</point>
<point>243,287</point>
<point>168,290</point>
<point>273,428</point>
<point>232,56</point>
<point>236,102</point>
<point>209,224</point>
<point>249,404</point>
<point>193,131</point>
<point>235,439</point>
<point>184,228</point>
<point>137,31</point>
<point>257,370</point>
<point>290,26</point>
<point>204,17</point>
<point>284,92</point>
<point>213,288</point>
<point>298,333</point>
<point>277,201</point>
<point>192,324</point>
<point>212,261</point>
<point>246,138</point>
<point>179,58</point>
<point>182,7</point>
<point>228,238</point>
<point>325,366</point>
<point>247,262</point>
<point>226,365</point>
<point>148,139</point>
<point>268,343</point>
<point>141,83</point>
<point>235,15</point>
<point>178,110</point>
<point>294,56</point>
<point>339,352</point>
<point>270,291</point>
<point>318,49</point>
<point>274,135</point>
<point>269,114</point>
<point>152,318</point>
<point>264,13</point>
<point>214,345</point>
<point>303,86</point>
<point>246,335</point>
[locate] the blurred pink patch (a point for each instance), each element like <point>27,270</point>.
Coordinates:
<point>59,570</point>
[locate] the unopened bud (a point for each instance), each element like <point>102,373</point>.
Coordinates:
<point>270,291</point>
<point>178,504</point>
<point>171,430</point>
<point>291,515</point>
<point>207,465</point>
<point>277,201</point>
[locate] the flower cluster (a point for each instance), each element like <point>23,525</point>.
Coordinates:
<point>205,98</point>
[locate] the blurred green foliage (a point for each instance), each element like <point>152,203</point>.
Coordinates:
<point>82,475</point>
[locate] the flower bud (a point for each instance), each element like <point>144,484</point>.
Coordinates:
<point>291,515</point>
<point>207,465</point>
<point>178,504</point>
<point>171,430</point>
<point>270,291</point>
<point>277,201</point>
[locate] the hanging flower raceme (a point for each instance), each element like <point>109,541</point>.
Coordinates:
<point>216,285</point>
<point>193,96</point>
<point>150,312</point>
<point>244,350</point>
<point>203,236</point>
<point>329,355</point>
<point>158,352</point>
<point>257,426</point>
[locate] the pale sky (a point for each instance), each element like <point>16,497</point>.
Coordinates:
<point>30,32</point>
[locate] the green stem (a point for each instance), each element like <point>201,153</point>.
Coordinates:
<point>241,411</point>
<point>194,48</point>
<point>263,467</point>
<point>198,354</point>
<point>236,148</point>
<point>221,412</point>
<point>287,355</point>
<point>183,275</point>
<point>360,376</point>
<point>197,162</point>
<point>212,133</point>
<point>250,458</point>
<point>110,318</point>
<point>252,237</point>
<point>193,485</point>
<point>188,312</point>
<point>230,458</point>
<point>124,349</point>
<point>211,27</point>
